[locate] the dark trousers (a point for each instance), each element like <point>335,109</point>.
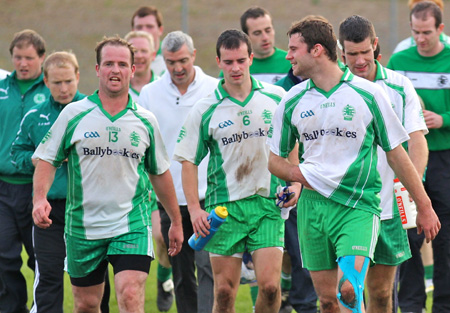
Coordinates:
<point>437,185</point>
<point>15,230</point>
<point>411,294</point>
<point>302,296</point>
<point>50,252</point>
<point>190,297</point>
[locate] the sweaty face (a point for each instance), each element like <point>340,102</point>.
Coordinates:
<point>235,65</point>
<point>301,60</point>
<point>143,56</point>
<point>180,65</point>
<point>115,70</point>
<point>26,62</point>
<point>62,82</point>
<point>360,59</point>
<point>262,36</point>
<point>426,35</point>
<point>150,25</point>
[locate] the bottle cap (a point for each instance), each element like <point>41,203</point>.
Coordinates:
<point>221,211</point>
<point>396,180</point>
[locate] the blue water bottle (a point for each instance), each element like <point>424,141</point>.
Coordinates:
<point>215,219</point>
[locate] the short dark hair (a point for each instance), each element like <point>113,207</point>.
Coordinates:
<point>423,9</point>
<point>356,29</point>
<point>316,31</point>
<point>148,10</point>
<point>232,39</point>
<point>253,12</point>
<point>28,37</point>
<point>113,41</point>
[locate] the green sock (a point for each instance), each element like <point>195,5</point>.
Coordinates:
<point>163,273</point>
<point>429,271</point>
<point>286,281</point>
<point>254,293</point>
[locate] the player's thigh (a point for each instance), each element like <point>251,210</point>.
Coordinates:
<point>267,263</point>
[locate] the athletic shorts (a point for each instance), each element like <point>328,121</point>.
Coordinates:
<point>328,230</point>
<point>393,245</point>
<point>252,223</point>
<point>84,256</point>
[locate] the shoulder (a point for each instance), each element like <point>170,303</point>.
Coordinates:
<point>273,89</point>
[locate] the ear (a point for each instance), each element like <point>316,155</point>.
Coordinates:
<point>251,59</point>
<point>375,43</point>
<point>97,68</point>
<point>440,28</point>
<point>218,61</point>
<point>317,50</point>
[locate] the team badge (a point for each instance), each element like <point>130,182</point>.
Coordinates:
<point>267,116</point>
<point>39,98</point>
<point>135,139</point>
<point>348,112</point>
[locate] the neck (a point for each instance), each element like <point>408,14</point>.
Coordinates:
<point>113,103</point>
<point>139,81</point>
<point>239,92</point>
<point>327,76</point>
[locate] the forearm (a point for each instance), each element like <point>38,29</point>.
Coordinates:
<point>44,175</point>
<point>163,186</point>
<point>406,172</point>
<point>285,170</point>
<point>189,178</point>
<point>418,151</point>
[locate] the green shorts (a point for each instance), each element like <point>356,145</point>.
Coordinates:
<point>84,256</point>
<point>328,230</point>
<point>393,245</point>
<point>252,223</point>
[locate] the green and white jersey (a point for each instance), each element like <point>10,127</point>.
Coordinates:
<point>271,69</point>
<point>158,65</point>
<point>430,77</point>
<point>235,134</point>
<point>135,94</point>
<point>109,158</point>
<point>406,105</point>
<point>338,132</point>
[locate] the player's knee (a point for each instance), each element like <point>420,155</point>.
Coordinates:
<point>270,292</point>
<point>224,298</point>
<point>347,294</point>
<point>381,298</point>
<point>87,305</point>
<point>328,304</point>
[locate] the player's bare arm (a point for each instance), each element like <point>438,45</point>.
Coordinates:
<point>427,220</point>
<point>189,175</point>
<point>163,185</point>
<point>44,174</point>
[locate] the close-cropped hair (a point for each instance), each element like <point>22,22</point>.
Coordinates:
<point>316,31</point>
<point>28,37</point>
<point>175,40</point>
<point>232,39</point>
<point>424,9</point>
<point>113,41</point>
<point>141,34</point>
<point>253,12</point>
<point>61,59</point>
<point>356,29</point>
<point>148,10</point>
<point>412,3</point>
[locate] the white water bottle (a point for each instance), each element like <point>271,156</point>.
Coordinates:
<point>406,205</point>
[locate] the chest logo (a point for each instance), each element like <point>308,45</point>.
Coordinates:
<point>225,124</point>
<point>135,139</point>
<point>348,112</point>
<point>39,98</point>
<point>91,135</point>
<point>45,116</point>
<point>305,114</point>
<point>267,116</point>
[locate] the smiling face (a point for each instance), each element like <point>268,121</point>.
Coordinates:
<point>262,36</point>
<point>143,56</point>
<point>235,65</point>
<point>359,57</point>
<point>115,70</point>
<point>426,35</point>
<point>299,56</point>
<point>27,63</point>
<point>62,82</point>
